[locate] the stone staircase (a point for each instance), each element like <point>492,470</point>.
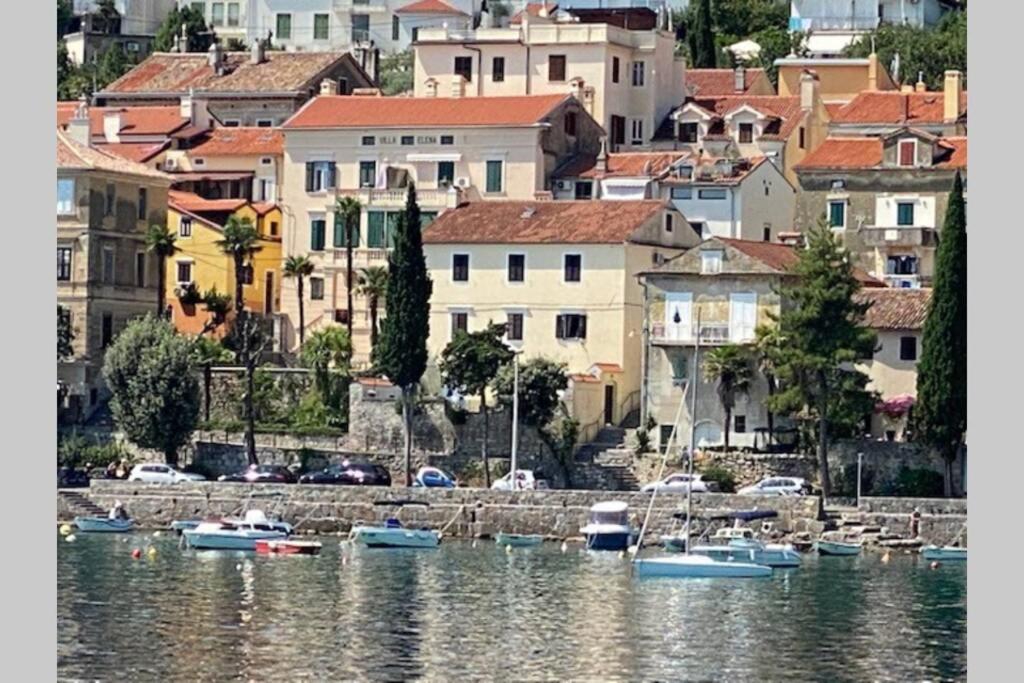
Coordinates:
<point>79,505</point>
<point>606,463</point>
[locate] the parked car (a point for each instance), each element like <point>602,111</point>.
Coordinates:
<point>349,473</point>
<point>70,477</point>
<point>434,477</point>
<point>679,482</point>
<point>157,473</point>
<point>526,480</point>
<point>261,474</point>
<point>777,486</point>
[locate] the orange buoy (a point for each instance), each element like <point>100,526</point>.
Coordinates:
<point>136,553</point>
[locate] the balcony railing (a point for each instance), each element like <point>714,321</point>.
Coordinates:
<point>833,23</point>
<point>362,257</point>
<point>881,236</point>
<point>430,199</point>
<point>711,334</point>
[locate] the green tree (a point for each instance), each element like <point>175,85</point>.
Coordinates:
<point>373,284</point>
<point>112,65</point>
<point>198,37</point>
<point>730,367</point>
<point>240,242</point>
<point>299,267</point>
<point>328,354</point>
<point>823,331</point>
<point>64,14</point>
<point>154,392</point>
<point>701,36</point>
<point>249,338</point>
<point>209,351</point>
<point>65,333</point>
<point>941,409</point>
<point>396,73</point>
<point>218,305</point>
<point>161,242</point>
<point>402,354</point>
<point>767,349</point>
<point>346,218</point>
<point>469,363</point>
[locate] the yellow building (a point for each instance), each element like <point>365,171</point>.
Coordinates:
<point>198,224</point>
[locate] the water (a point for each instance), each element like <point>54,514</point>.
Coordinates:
<point>463,613</point>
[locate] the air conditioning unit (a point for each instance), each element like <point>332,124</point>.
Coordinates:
<point>462,183</point>
<point>562,184</point>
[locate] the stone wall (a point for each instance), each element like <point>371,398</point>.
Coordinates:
<point>883,461</point>
<point>282,390</point>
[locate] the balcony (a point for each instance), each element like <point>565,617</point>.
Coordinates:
<point>833,23</point>
<point>395,198</point>
<point>711,334</point>
<point>360,6</point>
<point>879,236</point>
<point>362,257</point>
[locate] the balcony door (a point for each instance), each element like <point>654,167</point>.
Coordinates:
<point>678,314</point>
<point>742,316</point>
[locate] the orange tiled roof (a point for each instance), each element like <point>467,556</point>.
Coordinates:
<point>429,7</point>
<point>541,222</point>
<point>383,112</point>
<point>584,378</point>
<point>784,114</point>
<point>896,309</point>
<point>74,155</point>
<point>620,164</point>
<point>134,120</point>
<point>189,201</point>
<point>241,141</point>
<point>855,153</point>
<point>719,82</point>
<point>133,151</point>
<point>886,107</point>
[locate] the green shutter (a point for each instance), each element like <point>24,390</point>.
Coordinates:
<point>836,210</point>
<point>317,236</point>
<point>494,176</point>
<point>375,229</point>
<point>426,218</point>
<point>341,235</point>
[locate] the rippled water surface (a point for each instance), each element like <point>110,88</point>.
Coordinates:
<point>471,613</point>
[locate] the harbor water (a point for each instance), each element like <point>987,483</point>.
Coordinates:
<point>474,612</point>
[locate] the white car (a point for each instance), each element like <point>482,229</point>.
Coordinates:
<point>678,482</point>
<point>777,486</point>
<point>156,473</point>
<point>525,481</point>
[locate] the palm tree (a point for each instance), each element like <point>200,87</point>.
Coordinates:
<point>347,210</point>
<point>373,284</point>
<point>769,341</point>
<point>160,241</point>
<point>217,305</point>
<point>299,267</point>
<point>241,242</point>
<point>731,368</point>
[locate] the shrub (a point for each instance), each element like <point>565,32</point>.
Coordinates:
<point>76,450</point>
<point>723,477</point>
<point>916,483</point>
<point>643,441</point>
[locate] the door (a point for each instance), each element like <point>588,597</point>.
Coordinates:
<point>618,132</point>
<point>742,316</point>
<point>268,298</point>
<point>609,404</point>
<point>678,314</point>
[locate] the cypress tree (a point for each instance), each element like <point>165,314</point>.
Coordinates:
<point>401,353</point>
<point>703,38</point>
<point>941,408</point>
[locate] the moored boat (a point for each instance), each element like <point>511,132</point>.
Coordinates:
<point>946,553</point>
<point>288,547</point>
<point>698,567</point>
<point>393,535</point>
<point>235,534</point>
<point>518,540</point>
<point>608,527</point>
<point>838,548</point>
<point>104,524</point>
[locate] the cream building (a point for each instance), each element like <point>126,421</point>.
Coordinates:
<point>375,148</point>
<point>562,276</point>
<point>628,78</point>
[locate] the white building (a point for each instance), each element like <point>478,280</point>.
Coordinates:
<point>834,24</point>
<point>138,17</point>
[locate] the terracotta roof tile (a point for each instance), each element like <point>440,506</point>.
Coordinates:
<point>134,151</point>
<point>584,378</point>
<point>240,141</point>
<point>429,7</point>
<point>189,201</point>
<point>717,82</point>
<point>134,120</point>
<point>384,112</point>
<point>785,111</point>
<point>541,222</point>
<point>896,309</point>
<point>853,153</point>
<point>73,155</point>
<point>622,164</point>
<point>915,108</point>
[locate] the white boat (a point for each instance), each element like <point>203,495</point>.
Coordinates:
<point>946,553</point>
<point>104,524</point>
<point>698,567</point>
<point>838,548</point>
<point>739,544</point>
<point>393,535</point>
<point>235,534</point>
<point>609,528</point>
<point>518,540</point>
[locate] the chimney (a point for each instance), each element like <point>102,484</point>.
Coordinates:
<point>906,87</point>
<point>808,89</point>
<point>329,86</point>
<point>458,86</point>
<point>920,86</point>
<point>195,109</point>
<point>602,156</point>
<point>739,79</point>
<point>872,72</point>
<point>78,127</point>
<point>257,54</point>
<point>431,86</point>
<point>215,58</point>
<point>578,88</point>
<point>112,126</point>
<point>952,95</point>
<point>543,11</point>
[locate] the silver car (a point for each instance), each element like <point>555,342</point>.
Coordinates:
<point>777,486</point>
<point>158,473</point>
<point>678,482</point>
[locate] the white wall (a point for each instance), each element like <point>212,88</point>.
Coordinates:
<point>886,211</point>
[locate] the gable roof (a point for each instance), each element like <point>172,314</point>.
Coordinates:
<point>74,155</point>
<point>170,72</point>
<point>134,120</point>
<point>621,165</point>
<point>719,82</point>
<point>866,152</point>
<point>429,7</point>
<point>193,203</point>
<point>784,114</point>
<point>896,309</point>
<point>239,141</point>
<point>886,107</point>
<point>330,111</point>
<point>140,152</point>
<point>541,222</point>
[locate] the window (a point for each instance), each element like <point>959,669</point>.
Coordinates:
<point>415,33</point>
<point>904,213</point>
<point>63,263</point>
<point>615,69</point>
<point>803,140</point>
<point>247,274</point>
<point>343,86</point>
<point>360,28</point>
<point>318,234</point>
<point>571,326</point>
<point>668,222</point>
<point>901,265</point>
<point>514,327</point>
<point>111,199</point>
<point>319,175</point>
<point>316,288</point>
<point>107,330</point>
<point>637,131</point>
<point>184,272</point>
<point>739,424</point>
<point>618,130</point>
<point>375,230</point>
<point>367,173</point>
<point>907,152</point>
<point>460,322</point>
<point>140,269</point>
<point>584,189</point>
<point>495,169</point>
<point>572,268</point>
<point>687,132</point>
<point>517,267</point>
<point>711,262</point>
<point>142,203</point>
<point>447,139</point>
<point>109,275</point>
<point>445,173</point>
<point>716,193</point>
<point>233,15</point>
<point>232,123</point>
<point>908,348</point>
<point>395,27</point>
<point>570,123</point>
<point>698,228</point>
<point>746,133</point>
<point>321,25</point>
<point>460,267</point>
<point>556,68</point>
<point>837,214</point>
<point>65,196</point>
<point>408,140</point>
<point>284,27</point>
<point>185,227</point>
<point>638,74</point>
<point>681,193</point>
<point>369,141</point>
<point>464,68</point>
<point>341,232</point>
<point>498,69</point>
<point>217,14</point>
<point>273,228</point>
<point>265,189</point>
<point>199,7</point>
<point>767,234</point>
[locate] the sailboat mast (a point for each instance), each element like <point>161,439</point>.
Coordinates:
<point>693,429</point>
<point>515,418</point>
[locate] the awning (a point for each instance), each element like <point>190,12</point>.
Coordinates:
<point>426,156</point>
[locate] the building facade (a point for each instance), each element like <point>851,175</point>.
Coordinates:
<point>835,24</point>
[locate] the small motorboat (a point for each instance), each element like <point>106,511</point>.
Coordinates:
<point>946,553</point>
<point>235,534</point>
<point>608,527</point>
<point>738,543</point>
<point>288,547</point>
<point>518,540</point>
<point>698,567</point>
<point>104,524</point>
<point>838,548</point>
<point>393,535</point>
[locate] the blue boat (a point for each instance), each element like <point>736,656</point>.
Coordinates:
<point>104,524</point>
<point>608,527</point>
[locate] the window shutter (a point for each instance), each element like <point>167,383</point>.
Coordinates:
<point>309,176</point>
<point>583,327</point>
<point>339,231</point>
<point>331,174</point>
<point>559,327</point>
<point>375,226</point>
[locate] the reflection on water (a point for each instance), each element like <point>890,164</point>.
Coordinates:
<point>463,613</point>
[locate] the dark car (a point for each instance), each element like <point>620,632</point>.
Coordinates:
<point>261,474</point>
<point>349,473</point>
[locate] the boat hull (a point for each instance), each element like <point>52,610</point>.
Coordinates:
<point>518,540</point>
<point>386,537</point>
<point>288,547</point>
<point>838,548</point>
<point>212,540</point>
<point>698,567</point>
<point>946,553</point>
<point>608,536</point>
<point>769,557</point>
<point>104,525</point>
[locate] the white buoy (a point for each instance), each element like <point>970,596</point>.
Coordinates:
<point>565,546</point>
<point>508,550</point>
<point>70,538</point>
<point>622,554</point>
<point>474,543</point>
<point>157,533</point>
<point>238,566</point>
